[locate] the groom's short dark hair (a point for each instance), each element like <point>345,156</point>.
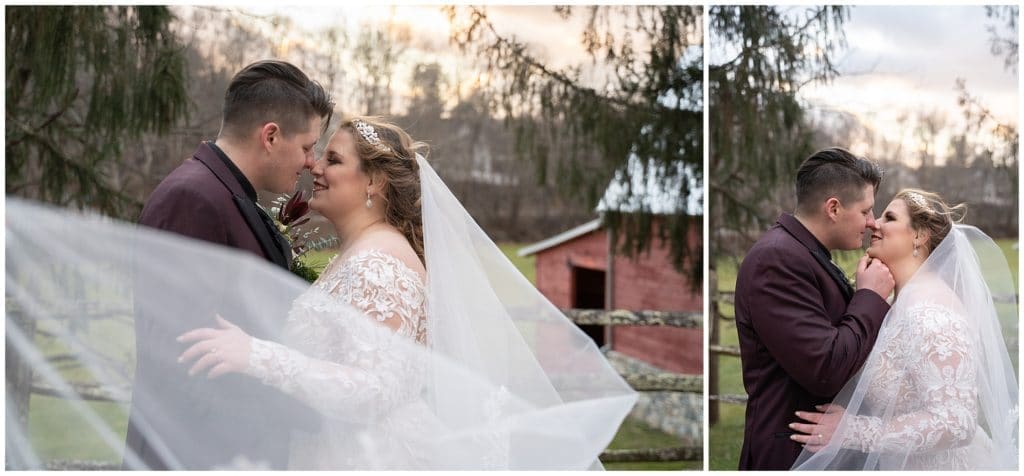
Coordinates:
<point>834,172</point>
<point>273,91</point>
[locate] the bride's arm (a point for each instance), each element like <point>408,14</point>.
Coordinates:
<point>385,370</point>
<point>947,380</point>
<point>339,391</point>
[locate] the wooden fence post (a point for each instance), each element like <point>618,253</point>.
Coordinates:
<point>713,316</point>
<point>18,384</point>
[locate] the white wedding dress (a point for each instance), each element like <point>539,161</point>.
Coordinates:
<point>938,391</point>
<point>927,365</point>
<point>366,387</point>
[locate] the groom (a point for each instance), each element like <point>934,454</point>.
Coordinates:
<point>272,119</point>
<point>803,329</point>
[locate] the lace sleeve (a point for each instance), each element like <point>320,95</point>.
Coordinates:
<point>944,378</point>
<point>340,391</point>
<point>365,374</point>
<point>386,290</point>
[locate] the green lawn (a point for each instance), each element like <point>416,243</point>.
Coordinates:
<point>726,437</point>
<point>637,434</point>
<point>59,432</point>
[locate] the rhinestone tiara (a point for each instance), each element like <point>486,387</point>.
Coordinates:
<point>370,135</point>
<point>917,199</point>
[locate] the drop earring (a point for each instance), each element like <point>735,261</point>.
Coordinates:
<point>369,204</point>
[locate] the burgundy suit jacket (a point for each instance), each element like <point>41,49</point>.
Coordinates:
<point>230,416</point>
<point>801,339</point>
<point>203,200</point>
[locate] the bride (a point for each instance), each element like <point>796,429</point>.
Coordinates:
<point>938,391</point>
<point>420,346</point>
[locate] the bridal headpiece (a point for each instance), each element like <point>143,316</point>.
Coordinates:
<point>370,134</point>
<point>916,199</point>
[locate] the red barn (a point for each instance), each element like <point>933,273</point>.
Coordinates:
<point>574,271</point>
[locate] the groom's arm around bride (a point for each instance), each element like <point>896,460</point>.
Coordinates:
<point>803,330</point>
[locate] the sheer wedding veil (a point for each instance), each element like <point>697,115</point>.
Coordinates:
<point>976,424</point>
<point>512,382</point>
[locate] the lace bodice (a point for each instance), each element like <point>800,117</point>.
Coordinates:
<point>344,368</point>
<point>381,286</point>
<point>922,387</point>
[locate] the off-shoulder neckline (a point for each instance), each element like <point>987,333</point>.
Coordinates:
<point>377,253</point>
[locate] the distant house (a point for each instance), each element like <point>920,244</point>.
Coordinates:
<point>576,270</point>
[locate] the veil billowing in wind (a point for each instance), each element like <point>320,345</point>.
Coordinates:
<point>507,381</point>
<point>939,390</point>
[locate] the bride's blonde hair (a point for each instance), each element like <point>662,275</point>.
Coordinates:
<point>392,157</point>
<point>929,212</point>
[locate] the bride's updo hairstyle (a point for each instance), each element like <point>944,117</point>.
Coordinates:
<point>928,212</point>
<point>387,152</point>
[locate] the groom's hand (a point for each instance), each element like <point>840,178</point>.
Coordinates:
<point>874,275</point>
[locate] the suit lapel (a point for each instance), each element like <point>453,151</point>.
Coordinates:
<point>270,244</point>
<point>800,233</point>
<point>836,273</point>
<point>273,246</point>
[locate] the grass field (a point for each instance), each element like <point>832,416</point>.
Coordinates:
<point>59,432</point>
<point>726,437</point>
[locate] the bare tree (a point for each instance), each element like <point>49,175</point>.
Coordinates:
<point>377,51</point>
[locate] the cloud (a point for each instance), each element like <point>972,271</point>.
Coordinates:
<point>927,48</point>
<point>904,61</point>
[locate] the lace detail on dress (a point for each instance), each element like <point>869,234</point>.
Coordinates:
<point>384,288</point>
<point>345,368</point>
<point>923,382</point>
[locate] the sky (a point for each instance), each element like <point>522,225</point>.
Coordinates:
<point>897,60</point>
<point>539,26</point>
<point>901,59</point>
<point>549,37</point>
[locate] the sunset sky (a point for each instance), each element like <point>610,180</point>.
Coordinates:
<point>906,59</point>
<point>554,40</point>
<point>898,61</point>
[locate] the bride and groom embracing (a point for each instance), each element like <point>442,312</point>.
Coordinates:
<point>420,346</point>
<point>840,376</point>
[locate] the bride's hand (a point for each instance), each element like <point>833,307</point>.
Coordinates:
<point>222,350</point>
<point>818,434</point>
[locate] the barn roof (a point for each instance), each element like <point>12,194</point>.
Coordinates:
<point>561,237</point>
<point>638,188</point>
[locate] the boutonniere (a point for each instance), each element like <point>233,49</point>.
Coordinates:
<point>290,213</point>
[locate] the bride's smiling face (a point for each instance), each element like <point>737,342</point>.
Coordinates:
<point>894,238</point>
<point>339,183</point>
